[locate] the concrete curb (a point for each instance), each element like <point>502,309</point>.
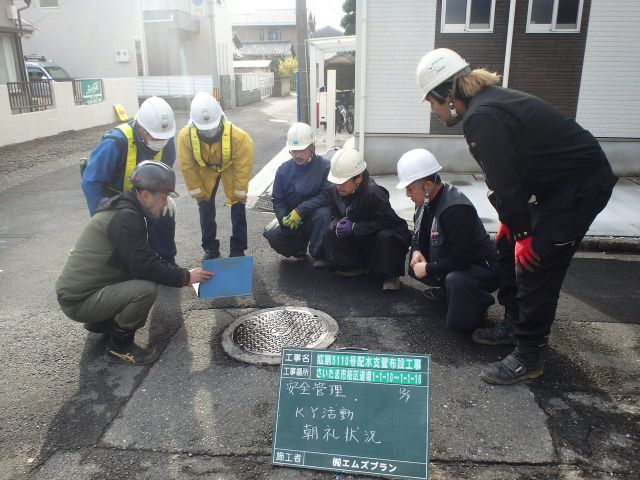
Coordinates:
<point>611,244</point>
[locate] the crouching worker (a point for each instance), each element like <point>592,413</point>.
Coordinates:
<point>300,200</point>
<point>366,235</point>
<point>110,280</point>
<point>450,250</point>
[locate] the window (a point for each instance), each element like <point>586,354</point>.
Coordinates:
<point>35,74</point>
<point>275,34</point>
<point>473,16</point>
<point>48,3</point>
<point>558,16</point>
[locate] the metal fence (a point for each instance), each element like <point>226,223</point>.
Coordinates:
<point>30,96</point>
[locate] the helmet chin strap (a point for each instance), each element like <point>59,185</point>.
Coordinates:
<point>452,108</point>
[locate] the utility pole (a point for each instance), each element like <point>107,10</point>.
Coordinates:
<point>215,78</point>
<point>301,52</point>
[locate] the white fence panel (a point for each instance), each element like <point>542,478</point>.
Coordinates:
<point>257,81</point>
<point>174,86</point>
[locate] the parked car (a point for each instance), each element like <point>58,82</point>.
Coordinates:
<point>44,70</point>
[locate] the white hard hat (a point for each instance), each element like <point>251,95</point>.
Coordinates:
<point>156,117</point>
<point>438,66</point>
<point>346,164</point>
<point>300,136</point>
<point>205,111</point>
<point>416,164</point>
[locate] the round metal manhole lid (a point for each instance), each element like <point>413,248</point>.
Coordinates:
<point>260,336</point>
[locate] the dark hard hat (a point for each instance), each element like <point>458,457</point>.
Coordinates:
<point>155,176</point>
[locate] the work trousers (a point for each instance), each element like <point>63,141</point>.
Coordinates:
<point>127,303</point>
<point>209,228</point>
<point>382,253</point>
<point>468,295</point>
<point>559,222</point>
<point>289,242</point>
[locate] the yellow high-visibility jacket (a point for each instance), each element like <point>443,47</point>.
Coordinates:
<point>234,167</point>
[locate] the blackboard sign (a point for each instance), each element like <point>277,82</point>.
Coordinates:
<point>354,411</point>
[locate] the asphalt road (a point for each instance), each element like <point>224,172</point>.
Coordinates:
<point>197,413</point>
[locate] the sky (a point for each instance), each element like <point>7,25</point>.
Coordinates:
<point>327,12</point>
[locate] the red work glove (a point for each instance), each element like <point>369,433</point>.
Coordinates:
<point>503,231</point>
<point>525,255</point>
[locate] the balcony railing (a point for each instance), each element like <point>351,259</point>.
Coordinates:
<point>30,96</point>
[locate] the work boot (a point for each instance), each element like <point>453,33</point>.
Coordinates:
<point>106,326</point>
<point>499,334</point>
<point>210,254</point>
<point>523,363</point>
<point>319,262</point>
<point>123,351</point>
<point>236,253</point>
<point>434,294</point>
<point>391,283</point>
<point>299,256</point>
<point>355,272</point>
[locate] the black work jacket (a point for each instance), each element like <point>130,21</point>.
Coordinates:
<point>369,208</point>
<point>527,147</point>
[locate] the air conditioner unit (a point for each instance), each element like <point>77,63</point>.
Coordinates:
<point>12,12</point>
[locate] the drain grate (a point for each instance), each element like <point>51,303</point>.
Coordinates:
<point>263,203</point>
<point>259,337</point>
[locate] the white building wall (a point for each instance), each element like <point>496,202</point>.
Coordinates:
<point>398,35</point>
<point>609,100</point>
<point>65,114</point>
<point>83,37</point>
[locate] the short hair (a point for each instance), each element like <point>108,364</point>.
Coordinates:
<point>435,178</point>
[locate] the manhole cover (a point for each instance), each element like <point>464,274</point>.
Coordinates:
<point>263,203</point>
<point>259,337</point>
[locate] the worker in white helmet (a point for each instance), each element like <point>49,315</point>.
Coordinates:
<point>450,251</point>
<point>550,178</point>
<point>366,235</point>
<point>149,136</point>
<point>300,200</point>
<point>210,149</point>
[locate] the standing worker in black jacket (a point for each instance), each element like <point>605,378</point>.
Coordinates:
<point>110,279</point>
<point>365,235</point>
<point>450,250</point>
<point>550,179</point>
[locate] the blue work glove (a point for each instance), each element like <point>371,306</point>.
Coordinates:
<point>344,228</point>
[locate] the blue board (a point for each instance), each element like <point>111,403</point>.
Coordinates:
<point>232,277</point>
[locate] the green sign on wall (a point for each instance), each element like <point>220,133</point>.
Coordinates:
<point>353,411</point>
<point>91,91</point>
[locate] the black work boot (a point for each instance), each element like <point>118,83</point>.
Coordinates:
<point>499,334</point>
<point>210,255</point>
<point>523,363</point>
<point>122,350</point>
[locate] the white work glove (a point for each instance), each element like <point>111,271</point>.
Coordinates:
<point>169,208</point>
